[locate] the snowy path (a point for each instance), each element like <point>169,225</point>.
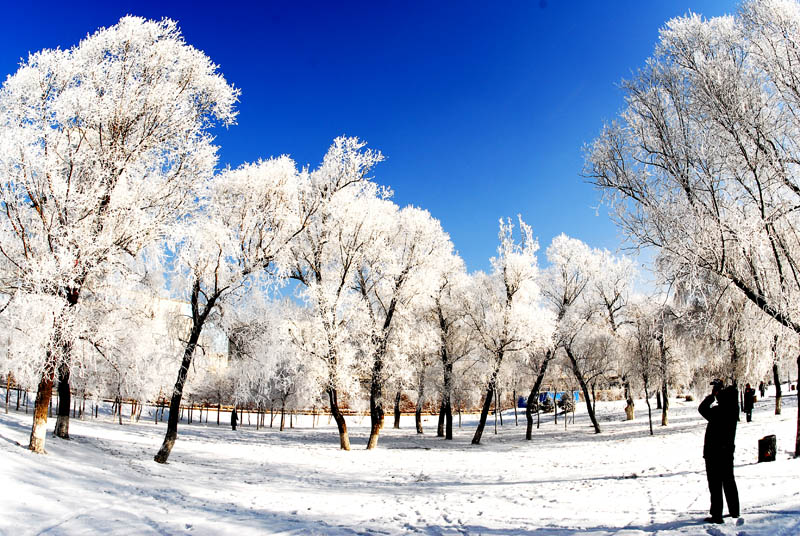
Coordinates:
<point>622,482</point>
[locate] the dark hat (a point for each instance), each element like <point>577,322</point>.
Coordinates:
<point>716,382</point>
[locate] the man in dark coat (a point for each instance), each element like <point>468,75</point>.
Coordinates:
<point>719,446</point>
<point>749,401</point>
<point>234,418</point>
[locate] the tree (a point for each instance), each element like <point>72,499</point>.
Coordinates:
<point>588,292</point>
<point>103,145</point>
<point>504,312</point>
<point>644,349</point>
<point>702,164</point>
<point>234,242</point>
<point>562,283</point>
<point>394,272</point>
<point>324,260</point>
<point>455,342</point>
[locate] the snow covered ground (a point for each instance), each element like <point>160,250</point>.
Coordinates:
<point>563,482</point>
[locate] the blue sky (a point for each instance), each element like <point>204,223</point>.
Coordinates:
<point>482,108</point>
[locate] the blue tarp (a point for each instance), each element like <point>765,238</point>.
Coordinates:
<point>522,402</point>
<point>558,395</point>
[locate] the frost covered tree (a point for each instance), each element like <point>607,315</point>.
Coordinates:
<point>455,339</point>
<point>237,240</point>
<point>395,271</point>
<point>702,164</point>
<point>587,290</point>
<point>504,310</point>
<point>421,346</point>
<point>563,282</point>
<point>644,349</point>
<point>264,366</point>
<point>101,146</point>
<point>324,260</point>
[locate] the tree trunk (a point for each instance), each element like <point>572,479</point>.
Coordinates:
<point>283,416</point>
<point>664,382</point>
<point>487,403</point>
<point>376,413</point>
<point>440,423</point>
<point>533,398</point>
<point>64,395</point>
<point>584,388</point>
<point>514,399</point>
<point>40,408</point>
<point>797,435</point>
<point>198,319</point>
<point>658,399</point>
<point>447,402</point>
<point>498,402</point>
<point>420,403</point>
<point>344,439</point>
<point>495,412</point>
<point>64,403</point>
<point>447,369</point>
<point>778,395</point>
<point>8,389</point>
<point>448,419</point>
<point>629,406</point>
<point>397,409</point>
<point>649,408</point>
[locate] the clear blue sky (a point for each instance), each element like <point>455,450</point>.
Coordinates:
<point>482,108</point>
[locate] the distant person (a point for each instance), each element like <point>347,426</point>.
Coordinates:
<point>749,401</point>
<point>234,419</point>
<point>762,389</point>
<point>718,448</point>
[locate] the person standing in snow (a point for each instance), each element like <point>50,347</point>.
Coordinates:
<point>749,401</point>
<point>718,448</point>
<point>234,419</point>
<point>762,389</point>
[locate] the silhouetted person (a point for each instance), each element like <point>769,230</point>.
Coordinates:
<point>762,389</point>
<point>719,446</point>
<point>749,401</point>
<point>234,418</point>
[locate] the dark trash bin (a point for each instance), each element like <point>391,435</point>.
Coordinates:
<point>767,446</point>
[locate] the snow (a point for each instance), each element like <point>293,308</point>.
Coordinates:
<point>563,482</point>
